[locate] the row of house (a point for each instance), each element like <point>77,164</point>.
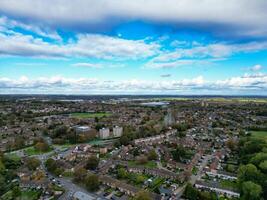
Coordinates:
<point>215,187</point>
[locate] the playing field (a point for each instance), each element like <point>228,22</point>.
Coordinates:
<point>90,115</point>
<point>259,134</point>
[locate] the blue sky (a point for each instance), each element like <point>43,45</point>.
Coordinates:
<point>141,47</point>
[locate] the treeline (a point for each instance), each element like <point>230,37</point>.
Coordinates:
<point>8,167</point>
<point>62,134</point>
<point>252,173</point>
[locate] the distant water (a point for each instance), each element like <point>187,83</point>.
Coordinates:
<point>155,103</point>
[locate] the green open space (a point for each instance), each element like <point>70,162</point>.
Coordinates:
<point>229,184</point>
<point>29,195</point>
<point>30,151</point>
<point>90,115</point>
<point>149,164</point>
<point>259,135</point>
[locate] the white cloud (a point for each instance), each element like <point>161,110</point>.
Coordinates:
<point>248,81</point>
<point>243,17</point>
<point>6,24</point>
<point>247,84</point>
<point>89,65</point>
<point>87,45</point>
<point>256,68</point>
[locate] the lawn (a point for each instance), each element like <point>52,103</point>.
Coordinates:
<point>30,151</point>
<point>29,195</point>
<point>90,115</point>
<point>229,184</point>
<point>259,135</point>
<point>13,156</point>
<point>195,170</point>
<point>149,164</point>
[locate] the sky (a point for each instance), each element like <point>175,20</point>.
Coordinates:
<point>172,47</point>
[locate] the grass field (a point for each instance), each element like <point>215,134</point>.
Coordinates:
<point>259,135</point>
<point>30,151</point>
<point>229,184</point>
<point>90,115</point>
<point>149,164</point>
<point>29,195</point>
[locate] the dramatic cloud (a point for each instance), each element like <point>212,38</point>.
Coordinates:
<point>6,24</point>
<point>239,17</point>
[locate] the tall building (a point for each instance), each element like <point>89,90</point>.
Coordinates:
<point>104,133</point>
<point>169,119</point>
<point>117,131</point>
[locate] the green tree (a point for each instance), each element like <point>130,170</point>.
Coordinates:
<point>179,153</point>
<point>2,184</point>
<point>92,163</point>
<point>33,163</point>
<point>251,191</point>
<point>152,155</point>
<point>92,182</point>
<point>122,173</point>
<point>16,192</point>
<point>248,172</point>
<point>263,166</point>
<point>79,174</point>
<point>41,146</point>
<point>143,195</point>
<point>190,192</point>
<point>140,179</point>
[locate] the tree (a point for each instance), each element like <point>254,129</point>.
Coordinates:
<point>16,192</point>
<point>141,159</point>
<point>258,158</point>
<point>248,172</point>
<point>33,163</point>
<point>190,192</point>
<point>251,191</point>
<point>152,155</point>
<point>143,195</point>
<point>2,184</point>
<point>79,174</point>
<point>140,178</point>
<point>41,146</point>
<point>2,167</point>
<point>179,153</point>
<point>231,144</point>
<point>122,173</point>
<point>92,163</point>
<point>92,182</point>
<point>51,165</point>
<point>263,166</point>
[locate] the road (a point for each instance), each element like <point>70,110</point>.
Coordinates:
<point>179,191</point>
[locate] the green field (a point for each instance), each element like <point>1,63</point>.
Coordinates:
<point>90,115</point>
<point>30,195</point>
<point>149,164</point>
<point>30,151</point>
<point>259,135</point>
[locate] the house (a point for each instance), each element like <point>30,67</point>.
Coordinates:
<point>82,129</point>
<point>82,196</point>
<point>215,187</point>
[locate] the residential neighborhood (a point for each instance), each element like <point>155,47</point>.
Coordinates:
<point>125,149</point>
